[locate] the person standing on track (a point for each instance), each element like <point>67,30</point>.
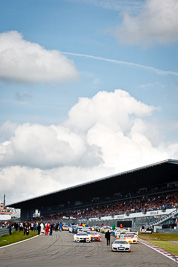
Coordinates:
<point>60,226</point>
<point>107,236</point>
<point>51,229</point>
<point>39,228</point>
<point>46,229</point>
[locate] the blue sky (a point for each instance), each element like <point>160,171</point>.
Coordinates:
<point>87,89</point>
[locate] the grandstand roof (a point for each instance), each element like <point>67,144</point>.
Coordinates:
<point>147,176</point>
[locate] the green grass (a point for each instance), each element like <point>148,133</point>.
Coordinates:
<point>162,240</point>
<point>15,237</point>
<point>167,246</point>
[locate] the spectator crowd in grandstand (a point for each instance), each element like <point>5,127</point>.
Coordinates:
<point>128,205</point>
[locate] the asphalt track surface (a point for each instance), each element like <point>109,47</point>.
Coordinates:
<point>60,250</point>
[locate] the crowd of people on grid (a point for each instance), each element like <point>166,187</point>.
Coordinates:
<point>26,226</point>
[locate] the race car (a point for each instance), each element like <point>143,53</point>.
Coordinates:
<point>94,236</point>
<point>65,227</point>
<point>130,237</point>
<point>73,229</point>
<point>84,229</point>
<point>105,229</point>
<point>123,231</point>
<point>120,235</point>
<point>82,237</point>
<point>121,245</point>
<point>95,228</point>
<point>117,232</point>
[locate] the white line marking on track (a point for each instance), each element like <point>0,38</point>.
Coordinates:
<point>19,242</point>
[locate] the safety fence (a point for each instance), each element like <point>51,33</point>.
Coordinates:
<point>4,231</point>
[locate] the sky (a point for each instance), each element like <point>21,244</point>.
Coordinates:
<point>88,89</point>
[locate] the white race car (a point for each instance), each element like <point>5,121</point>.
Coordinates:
<point>82,237</point>
<point>130,237</point>
<point>73,229</point>
<point>121,245</point>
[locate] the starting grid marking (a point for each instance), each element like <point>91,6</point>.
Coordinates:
<point>160,250</point>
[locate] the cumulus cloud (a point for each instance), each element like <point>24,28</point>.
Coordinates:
<point>7,130</point>
<point>27,62</point>
<point>47,147</point>
<point>20,183</point>
<point>103,135</point>
<point>115,109</point>
<point>157,22</point>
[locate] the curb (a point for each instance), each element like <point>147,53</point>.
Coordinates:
<point>160,250</point>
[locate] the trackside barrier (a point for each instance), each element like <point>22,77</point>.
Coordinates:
<point>4,231</point>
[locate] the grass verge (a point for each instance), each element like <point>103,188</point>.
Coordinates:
<point>162,240</point>
<point>15,237</point>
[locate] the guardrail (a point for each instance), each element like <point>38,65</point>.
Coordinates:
<point>4,231</point>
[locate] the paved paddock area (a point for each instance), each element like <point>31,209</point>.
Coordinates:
<point>60,250</point>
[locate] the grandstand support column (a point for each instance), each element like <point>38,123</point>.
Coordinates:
<point>133,221</point>
<point>24,214</point>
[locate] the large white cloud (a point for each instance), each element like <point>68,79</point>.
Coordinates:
<point>24,61</point>
<point>47,147</point>
<point>103,135</point>
<point>157,22</point>
<point>115,109</point>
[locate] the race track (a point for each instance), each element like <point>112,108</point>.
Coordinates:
<point>60,250</point>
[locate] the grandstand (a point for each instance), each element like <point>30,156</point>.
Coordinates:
<point>151,188</point>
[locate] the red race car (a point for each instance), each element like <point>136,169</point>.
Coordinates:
<point>94,236</point>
